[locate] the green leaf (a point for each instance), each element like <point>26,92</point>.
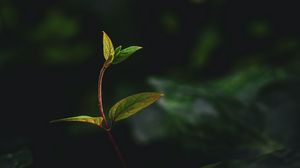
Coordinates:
<point>117,51</point>
<point>132,104</point>
<point>108,48</point>
<point>86,119</point>
<point>125,53</point>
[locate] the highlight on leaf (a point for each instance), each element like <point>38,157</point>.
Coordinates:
<point>125,53</point>
<point>108,48</point>
<point>86,119</point>
<point>132,104</point>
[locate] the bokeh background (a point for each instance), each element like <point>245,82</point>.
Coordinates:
<point>229,71</point>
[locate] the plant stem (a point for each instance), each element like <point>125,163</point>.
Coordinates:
<point>101,74</point>
<point>116,147</point>
<point>108,129</point>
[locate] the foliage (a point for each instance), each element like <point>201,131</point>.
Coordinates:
<point>125,107</point>
<point>19,159</point>
<point>219,63</point>
<point>278,159</point>
<point>132,104</point>
<point>215,115</point>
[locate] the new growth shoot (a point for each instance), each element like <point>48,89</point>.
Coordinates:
<point>123,108</point>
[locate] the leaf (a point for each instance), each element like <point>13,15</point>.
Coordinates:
<point>199,108</point>
<point>117,50</point>
<point>132,104</point>
<point>108,48</point>
<point>86,119</point>
<point>125,53</point>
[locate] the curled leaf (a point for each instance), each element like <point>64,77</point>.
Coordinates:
<point>132,104</point>
<point>108,48</point>
<point>125,53</point>
<point>86,119</point>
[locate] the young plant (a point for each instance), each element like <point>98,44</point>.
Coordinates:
<point>125,107</point>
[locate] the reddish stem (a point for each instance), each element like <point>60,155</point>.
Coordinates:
<point>100,94</point>
<point>116,147</point>
<point>107,128</point>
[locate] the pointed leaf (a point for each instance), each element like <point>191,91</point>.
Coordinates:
<point>132,104</point>
<point>108,48</point>
<point>117,50</point>
<point>86,119</point>
<point>125,53</point>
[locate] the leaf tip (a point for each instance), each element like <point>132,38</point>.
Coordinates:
<point>53,121</point>
<point>138,48</point>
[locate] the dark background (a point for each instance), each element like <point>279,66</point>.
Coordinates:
<point>229,70</point>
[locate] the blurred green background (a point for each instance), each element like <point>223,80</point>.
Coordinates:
<point>229,70</point>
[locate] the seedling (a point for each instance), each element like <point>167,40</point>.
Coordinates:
<point>125,107</point>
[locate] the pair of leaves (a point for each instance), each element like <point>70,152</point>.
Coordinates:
<point>121,110</point>
<point>117,55</point>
